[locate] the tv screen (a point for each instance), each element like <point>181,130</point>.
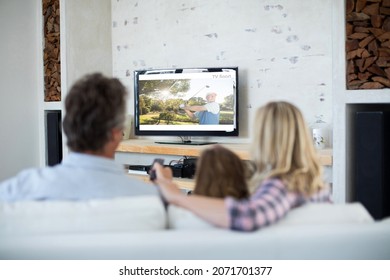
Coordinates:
<point>186,102</point>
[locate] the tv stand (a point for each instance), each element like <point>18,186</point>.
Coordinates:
<point>186,140</point>
<point>136,151</point>
<point>143,152</point>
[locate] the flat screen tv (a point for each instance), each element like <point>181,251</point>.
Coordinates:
<point>186,102</point>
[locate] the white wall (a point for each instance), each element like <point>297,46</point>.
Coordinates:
<point>85,43</point>
<point>85,47</point>
<point>20,90</point>
<point>257,35</point>
<point>88,37</point>
<point>283,48</point>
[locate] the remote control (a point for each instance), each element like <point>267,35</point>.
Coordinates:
<point>152,172</point>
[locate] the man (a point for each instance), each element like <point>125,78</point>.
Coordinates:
<point>95,115</point>
<point>208,113</point>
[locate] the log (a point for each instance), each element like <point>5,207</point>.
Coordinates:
<point>387,71</point>
<point>360,29</point>
<point>352,77</point>
<point>372,85</point>
<point>357,53</point>
<point>376,31</point>
<point>360,4</point>
<point>386,24</point>
<point>376,21</point>
<point>368,62</point>
<point>375,69</point>
<point>360,64</point>
<point>350,67</point>
<point>384,37</point>
<point>386,3</point>
<point>382,80</point>
<point>350,6</point>
<point>386,44</point>
<point>371,10</point>
<point>383,61</point>
<point>364,76</point>
<point>348,29</point>
<point>384,51</point>
<point>384,11</point>
<point>357,17</point>
<point>351,45</point>
<point>357,83</point>
<point>366,41</point>
<point>357,36</point>
<point>366,53</point>
<point>373,48</point>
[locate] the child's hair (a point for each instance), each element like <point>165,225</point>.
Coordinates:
<point>220,173</point>
<point>283,148</point>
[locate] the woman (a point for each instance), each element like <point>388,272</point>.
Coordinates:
<point>288,174</point>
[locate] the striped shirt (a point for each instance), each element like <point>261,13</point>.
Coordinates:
<point>271,202</point>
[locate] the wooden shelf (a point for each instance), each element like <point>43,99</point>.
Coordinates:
<point>142,146</point>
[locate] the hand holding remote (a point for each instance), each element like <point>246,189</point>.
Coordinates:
<point>152,172</point>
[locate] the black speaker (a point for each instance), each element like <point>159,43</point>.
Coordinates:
<point>371,153</point>
<point>189,167</point>
<point>53,137</point>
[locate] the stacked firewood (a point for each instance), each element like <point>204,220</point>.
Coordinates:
<point>368,44</point>
<point>51,52</point>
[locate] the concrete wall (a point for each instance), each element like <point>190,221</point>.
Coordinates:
<point>85,48</point>
<point>88,38</point>
<point>20,91</point>
<point>283,48</point>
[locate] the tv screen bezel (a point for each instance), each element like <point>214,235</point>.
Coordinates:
<point>179,133</point>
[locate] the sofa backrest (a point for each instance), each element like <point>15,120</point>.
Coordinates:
<point>327,213</point>
<point>121,214</point>
<point>308,214</point>
<point>126,214</point>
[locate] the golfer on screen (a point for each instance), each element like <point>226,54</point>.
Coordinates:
<point>206,114</point>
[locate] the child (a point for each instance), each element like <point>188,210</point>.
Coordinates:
<point>220,173</point>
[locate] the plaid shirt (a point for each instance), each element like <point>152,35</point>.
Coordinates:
<point>271,202</point>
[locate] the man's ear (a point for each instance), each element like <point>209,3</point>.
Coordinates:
<point>113,143</point>
<point>117,134</point>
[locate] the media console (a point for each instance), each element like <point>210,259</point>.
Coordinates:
<point>142,147</point>
<point>142,152</point>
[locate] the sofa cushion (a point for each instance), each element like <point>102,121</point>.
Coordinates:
<point>308,214</point>
<point>103,215</point>
<point>326,213</point>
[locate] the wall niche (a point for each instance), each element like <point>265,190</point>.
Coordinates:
<point>51,52</point>
<point>368,44</point>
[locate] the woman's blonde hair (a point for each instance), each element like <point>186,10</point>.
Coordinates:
<point>283,148</point>
<point>220,173</point>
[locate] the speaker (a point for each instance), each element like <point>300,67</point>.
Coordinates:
<point>53,137</point>
<point>371,174</point>
<point>189,167</point>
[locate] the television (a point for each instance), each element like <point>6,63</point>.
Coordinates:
<point>186,102</point>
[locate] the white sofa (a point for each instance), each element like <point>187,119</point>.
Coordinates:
<point>140,228</point>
